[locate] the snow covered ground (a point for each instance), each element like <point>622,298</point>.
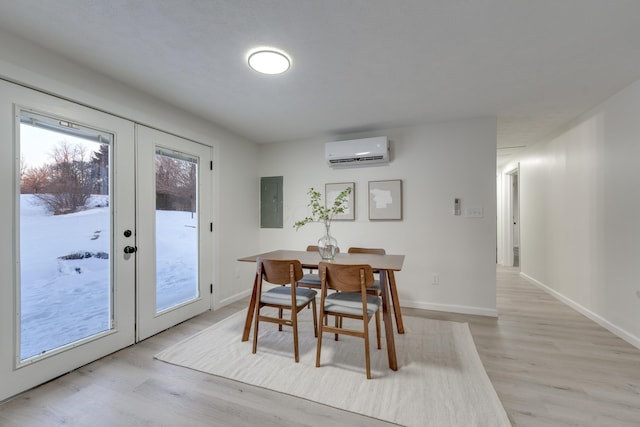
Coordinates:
<point>65,300</point>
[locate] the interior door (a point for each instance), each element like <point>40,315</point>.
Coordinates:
<point>65,182</point>
<point>174,238</point>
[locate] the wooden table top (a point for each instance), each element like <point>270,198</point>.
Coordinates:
<point>312,259</point>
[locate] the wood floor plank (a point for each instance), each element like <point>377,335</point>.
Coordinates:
<point>550,365</point>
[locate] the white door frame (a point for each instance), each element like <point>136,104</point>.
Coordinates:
<point>507,207</point>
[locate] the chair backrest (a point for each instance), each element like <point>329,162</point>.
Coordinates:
<point>346,277</point>
<point>280,272</point>
<point>376,251</point>
<point>314,248</point>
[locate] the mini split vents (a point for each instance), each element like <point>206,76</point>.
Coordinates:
<point>357,152</point>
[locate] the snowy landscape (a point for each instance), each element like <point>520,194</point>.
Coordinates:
<point>65,271</point>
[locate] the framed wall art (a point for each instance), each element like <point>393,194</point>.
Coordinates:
<point>385,200</point>
<point>331,191</point>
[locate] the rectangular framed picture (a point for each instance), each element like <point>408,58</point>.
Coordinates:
<point>331,191</point>
<point>385,200</point>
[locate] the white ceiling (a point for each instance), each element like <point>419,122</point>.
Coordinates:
<point>358,65</point>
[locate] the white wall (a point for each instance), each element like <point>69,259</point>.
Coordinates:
<point>579,214</point>
<point>437,163</point>
<point>236,175</point>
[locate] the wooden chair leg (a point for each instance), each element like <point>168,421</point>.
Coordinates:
<point>256,321</point>
<point>378,328</point>
<point>319,345</point>
<point>315,319</point>
<point>280,317</point>
<point>367,357</point>
<point>294,320</point>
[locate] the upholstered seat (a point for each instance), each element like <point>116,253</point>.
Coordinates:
<point>350,303</point>
<point>311,280</point>
<point>282,295</point>
<point>375,287</point>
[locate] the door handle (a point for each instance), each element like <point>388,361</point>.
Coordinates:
<point>130,249</point>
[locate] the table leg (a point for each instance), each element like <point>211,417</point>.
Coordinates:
<point>388,323</point>
<point>396,301</point>
<point>250,310</point>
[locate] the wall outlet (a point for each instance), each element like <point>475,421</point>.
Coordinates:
<point>435,279</point>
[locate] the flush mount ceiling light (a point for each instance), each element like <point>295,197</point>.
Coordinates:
<point>269,61</point>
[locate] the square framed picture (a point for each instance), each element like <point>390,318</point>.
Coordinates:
<point>331,191</point>
<point>385,200</point>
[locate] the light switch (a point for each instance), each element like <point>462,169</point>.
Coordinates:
<point>474,212</point>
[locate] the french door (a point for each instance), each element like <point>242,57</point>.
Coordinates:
<point>174,208</point>
<point>68,293</point>
<point>105,231</point>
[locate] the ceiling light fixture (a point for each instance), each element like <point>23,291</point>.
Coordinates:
<point>269,61</point>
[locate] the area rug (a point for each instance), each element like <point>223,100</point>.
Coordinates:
<point>440,380</point>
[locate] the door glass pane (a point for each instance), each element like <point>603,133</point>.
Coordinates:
<point>176,229</point>
<point>65,234</point>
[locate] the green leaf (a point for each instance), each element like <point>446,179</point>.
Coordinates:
<point>320,213</point>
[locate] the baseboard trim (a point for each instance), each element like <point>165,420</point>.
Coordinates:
<point>628,337</point>
<point>461,309</point>
<point>234,298</point>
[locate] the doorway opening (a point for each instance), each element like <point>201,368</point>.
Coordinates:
<point>514,216</point>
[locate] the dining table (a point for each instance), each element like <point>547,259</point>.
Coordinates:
<point>386,265</point>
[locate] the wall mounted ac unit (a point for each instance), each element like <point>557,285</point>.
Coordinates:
<point>357,152</point>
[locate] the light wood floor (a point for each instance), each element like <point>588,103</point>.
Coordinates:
<point>550,366</point>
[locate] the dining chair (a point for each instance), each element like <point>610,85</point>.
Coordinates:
<point>351,301</point>
<point>285,297</point>
<point>375,289</point>
<point>311,280</point>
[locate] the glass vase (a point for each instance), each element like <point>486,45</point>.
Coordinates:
<point>327,245</point>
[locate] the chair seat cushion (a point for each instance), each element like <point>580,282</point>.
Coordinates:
<point>350,303</point>
<point>310,280</point>
<point>375,286</point>
<point>281,295</point>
